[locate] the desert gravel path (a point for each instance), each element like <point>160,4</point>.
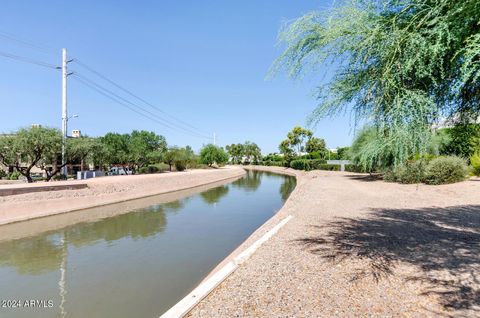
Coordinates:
<point>361,248</point>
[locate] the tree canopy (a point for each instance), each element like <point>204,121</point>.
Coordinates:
<point>247,152</point>
<point>401,64</point>
<point>211,154</point>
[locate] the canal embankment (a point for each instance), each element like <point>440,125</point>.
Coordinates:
<point>358,247</point>
<point>104,191</point>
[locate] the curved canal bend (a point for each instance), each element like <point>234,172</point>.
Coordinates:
<point>134,264</point>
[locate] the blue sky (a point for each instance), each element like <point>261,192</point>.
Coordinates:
<point>204,62</point>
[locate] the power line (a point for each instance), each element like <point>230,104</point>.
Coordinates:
<point>27,60</point>
<point>128,104</point>
<point>12,38</point>
<point>136,96</point>
<point>177,124</point>
<point>165,122</point>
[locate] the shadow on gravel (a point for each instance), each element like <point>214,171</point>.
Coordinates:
<point>443,243</point>
<point>366,177</point>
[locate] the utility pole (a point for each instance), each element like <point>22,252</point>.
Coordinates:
<point>65,74</point>
<point>214,139</point>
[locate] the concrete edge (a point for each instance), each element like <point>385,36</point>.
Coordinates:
<point>42,188</point>
<point>184,306</point>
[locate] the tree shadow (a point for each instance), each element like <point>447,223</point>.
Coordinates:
<point>366,177</point>
<point>443,243</point>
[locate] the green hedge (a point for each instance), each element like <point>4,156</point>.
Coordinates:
<point>273,163</point>
<point>311,164</point>
<point>328,167</point>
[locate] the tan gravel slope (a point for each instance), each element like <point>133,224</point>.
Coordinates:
<point>107,190</point>
<point>360,248</point>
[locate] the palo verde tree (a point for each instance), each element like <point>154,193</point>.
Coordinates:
<point>400,63</point>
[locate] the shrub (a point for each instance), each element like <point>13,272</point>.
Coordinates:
<point>300,164</point>
<point>316,163</point>
<point>411,172</point>
<point>149,169</point>
<point>180,165</point>
<point>3,174</point>
<point>446,169</point>
<point>310,164</point>
<point>14,175</point>
<point>475,162</point>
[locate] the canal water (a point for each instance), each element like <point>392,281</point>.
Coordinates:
<point>134,259</point>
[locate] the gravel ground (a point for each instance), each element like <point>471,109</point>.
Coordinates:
<point>106,190</point>
<point>361,248</point>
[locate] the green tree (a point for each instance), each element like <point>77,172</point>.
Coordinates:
<point>145,147</point>
<point>236,152</point>
<point>211,154</point>
<point>171,156</point>
<point>298,138</point>
<point>464,140</point>
<point>400,63</point>
<point>368,151</point>
<point>190,157</point>
<point>315,144</point>
<point>29,147</point>
<point>252,152</point>
<point>78,150</point>
<point>41,147</point>
<point>286,150</point>
<point>343,153</point>
<point>115,149</point>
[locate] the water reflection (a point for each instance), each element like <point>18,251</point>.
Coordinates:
<point>214,195</point>
<point>138,224</point>
<point>251,182</point>
<point>287,187</point>
<point>43,252</point>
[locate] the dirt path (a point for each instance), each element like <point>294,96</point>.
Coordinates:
<point>106,190</point>
<point>360,248</point>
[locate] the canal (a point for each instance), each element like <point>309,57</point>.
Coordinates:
<point>134,259</point>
